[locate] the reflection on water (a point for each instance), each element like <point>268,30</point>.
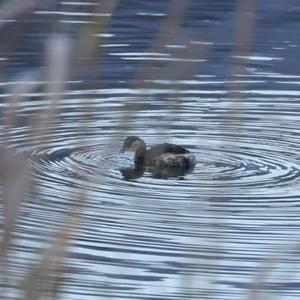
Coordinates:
<point>132,173</point>
<point>205,236</point>
<point>243,190</point>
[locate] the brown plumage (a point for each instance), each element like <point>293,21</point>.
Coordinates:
<point>159,156</point>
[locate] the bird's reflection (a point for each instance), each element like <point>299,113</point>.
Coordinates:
<point>135,172</point>
<point>165,173</point>
<point>132,172</point>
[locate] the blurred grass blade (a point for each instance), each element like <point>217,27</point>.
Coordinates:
<point>58,52</point>
<point>17,93</point>
<point>12,8</point>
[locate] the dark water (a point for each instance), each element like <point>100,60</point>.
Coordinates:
<point>208,235</point>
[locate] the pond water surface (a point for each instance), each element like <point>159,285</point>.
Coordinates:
<point>206,235</point>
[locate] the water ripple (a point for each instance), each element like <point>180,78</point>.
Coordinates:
<point>149,232</point>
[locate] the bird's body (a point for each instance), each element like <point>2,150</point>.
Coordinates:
<point>159,156</point>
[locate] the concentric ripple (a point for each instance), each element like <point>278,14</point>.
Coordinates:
<point>246,158</point>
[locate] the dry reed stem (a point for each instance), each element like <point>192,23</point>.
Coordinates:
<point>58,51</point>
<point>242,43</point>
<point>15,182</point>
<point>15,176</point>
<point>243,36</point>
<point>258,289</point>
<point>88,50</point>
<point>87,47</point>
<point>169,31</point>
<point>24,84</point>
<point>11,9</point>
<point>46,277</point>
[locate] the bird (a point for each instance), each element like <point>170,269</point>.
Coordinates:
<point>159,157</point>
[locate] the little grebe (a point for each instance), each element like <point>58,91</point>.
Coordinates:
<point>159,156</point>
